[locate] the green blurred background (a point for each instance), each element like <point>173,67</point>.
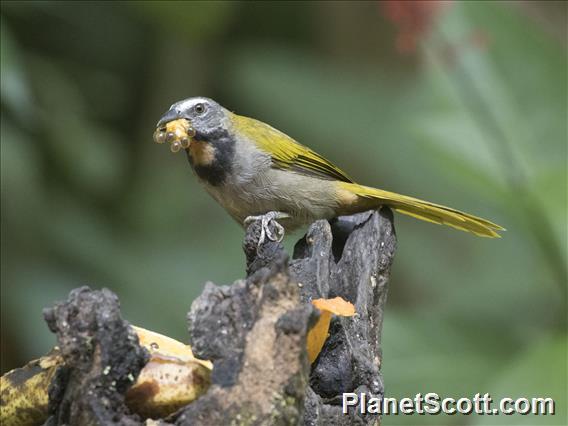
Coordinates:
<point>460,103</point>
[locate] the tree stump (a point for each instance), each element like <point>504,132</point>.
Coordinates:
<point>254,331</point>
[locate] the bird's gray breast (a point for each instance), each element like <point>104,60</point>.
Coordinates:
<point>237,178</point>
<point>252,186</point>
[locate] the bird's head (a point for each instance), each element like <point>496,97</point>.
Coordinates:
<point>203,128</point>
<point>198,118</point>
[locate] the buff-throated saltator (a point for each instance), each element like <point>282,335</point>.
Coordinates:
<point>257,172</point>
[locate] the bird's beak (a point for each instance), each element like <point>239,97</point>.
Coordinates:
<point>171,115</point>
<point>175,130</point>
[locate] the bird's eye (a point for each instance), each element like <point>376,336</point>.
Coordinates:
<point>199,108</point>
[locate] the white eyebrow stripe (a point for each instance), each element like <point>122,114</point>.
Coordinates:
<point>188,103</point>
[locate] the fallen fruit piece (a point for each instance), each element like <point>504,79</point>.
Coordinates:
<point>166,346</point>
<point>171,379</point>
<point>318,333</point>
<point>23,391</point>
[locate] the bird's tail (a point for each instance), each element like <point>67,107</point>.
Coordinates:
<point>425,210</point>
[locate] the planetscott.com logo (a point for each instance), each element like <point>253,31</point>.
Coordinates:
<point>432,403</point>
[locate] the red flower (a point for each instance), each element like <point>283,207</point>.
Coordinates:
<point>413,19</point>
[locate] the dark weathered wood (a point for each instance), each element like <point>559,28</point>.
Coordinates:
<point>255,333</point>
<point>351,259</point>
<point>102,360</point>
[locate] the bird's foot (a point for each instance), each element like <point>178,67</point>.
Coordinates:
<point>265,231</point>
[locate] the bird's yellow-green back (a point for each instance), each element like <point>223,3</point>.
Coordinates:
<point>290,155</point>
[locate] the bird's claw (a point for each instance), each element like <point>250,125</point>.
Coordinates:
<point>265,231</point>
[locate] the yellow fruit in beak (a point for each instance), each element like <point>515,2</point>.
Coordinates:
<point>177,133</point>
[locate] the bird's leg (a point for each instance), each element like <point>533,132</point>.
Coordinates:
<point>265,220</point>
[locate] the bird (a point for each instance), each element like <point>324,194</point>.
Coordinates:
<point>256,172</point>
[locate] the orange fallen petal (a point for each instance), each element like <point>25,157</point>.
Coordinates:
<point>337,306</point>
<point>317,335</point>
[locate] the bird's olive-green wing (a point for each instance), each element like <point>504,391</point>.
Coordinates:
<point>286,153</point>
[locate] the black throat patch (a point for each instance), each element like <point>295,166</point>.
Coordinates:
<point>216,172</point>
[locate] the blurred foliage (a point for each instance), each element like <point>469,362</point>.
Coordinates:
<point>467,109</point>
